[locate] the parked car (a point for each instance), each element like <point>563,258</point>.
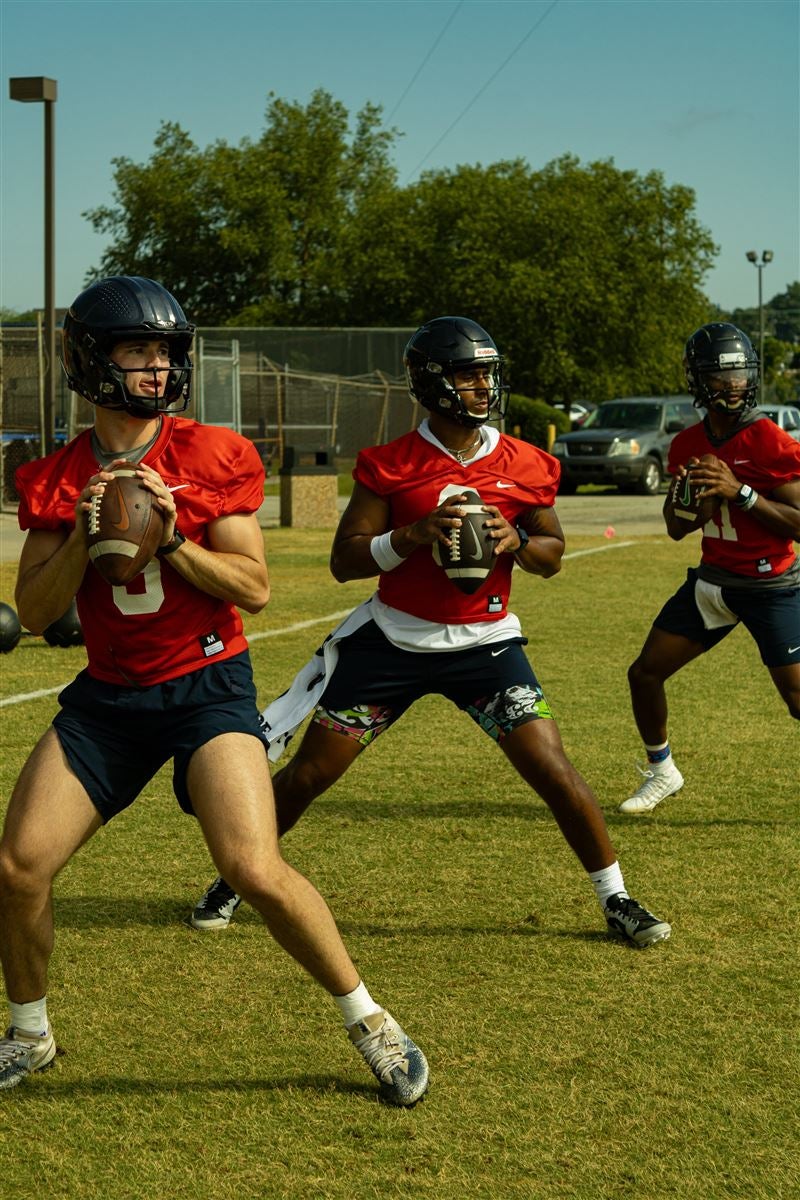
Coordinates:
<point>579,410</point>
<point>786,416</point>
<point>624,442</point>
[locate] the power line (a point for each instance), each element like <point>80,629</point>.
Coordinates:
<point>419,69</point>
<point>481,90</point>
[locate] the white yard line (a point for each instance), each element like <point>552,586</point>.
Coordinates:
<point>21,697</point>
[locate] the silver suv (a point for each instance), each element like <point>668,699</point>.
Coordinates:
<point>786,416</point>
<point>625,443</point>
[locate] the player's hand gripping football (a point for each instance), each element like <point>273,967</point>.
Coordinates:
<point>163,498</point>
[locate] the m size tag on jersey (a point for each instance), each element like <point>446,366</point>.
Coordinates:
<point>211,644</point>
<point>494,604</point>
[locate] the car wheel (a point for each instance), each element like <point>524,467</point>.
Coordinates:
<point>650,478</point>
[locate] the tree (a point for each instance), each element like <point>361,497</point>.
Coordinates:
<point>249,233</point>
<point>589,277</point>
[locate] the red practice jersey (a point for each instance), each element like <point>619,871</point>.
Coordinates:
<point>763,456</point>
<point>158,626</point>
<point>414,477</point>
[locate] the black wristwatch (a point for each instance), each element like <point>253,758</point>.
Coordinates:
<point>172,545</point>
<point>524,538</point>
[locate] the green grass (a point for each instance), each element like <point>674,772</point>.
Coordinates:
<point>563,1064</point>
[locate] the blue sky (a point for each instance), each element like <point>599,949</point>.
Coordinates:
<point>705,91</point>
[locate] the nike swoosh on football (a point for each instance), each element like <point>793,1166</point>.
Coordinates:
<point>501,484</point>
<point>496,652</point>
<point>475,553</point>
<point>123,522</point>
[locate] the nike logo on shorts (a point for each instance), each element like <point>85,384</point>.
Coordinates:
<point>496,652</point>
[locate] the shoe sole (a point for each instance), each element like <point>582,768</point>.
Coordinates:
<point>18,1079</point>
<point>211,925</point>
<point>647,805</point>
<point>658,934</point>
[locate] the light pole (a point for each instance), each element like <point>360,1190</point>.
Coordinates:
<point>32,89</point>
<point>766,257</point>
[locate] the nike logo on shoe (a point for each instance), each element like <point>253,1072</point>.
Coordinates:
<point>500,484</point>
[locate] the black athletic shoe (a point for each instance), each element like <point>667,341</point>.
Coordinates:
<point>217,906</point>
<point>627,919</point>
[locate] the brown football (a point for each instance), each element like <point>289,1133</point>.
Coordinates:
<point>124,528</point>
<point>686,500</point>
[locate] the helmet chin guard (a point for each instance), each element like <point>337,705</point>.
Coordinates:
<point>440,349</point>
<point>123,308</point>
<point>722,368</point>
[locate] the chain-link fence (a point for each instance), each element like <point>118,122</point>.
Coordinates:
<point>336,390</point>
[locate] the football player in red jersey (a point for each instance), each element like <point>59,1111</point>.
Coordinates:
<point>168,673</point>
<point>419,634</point>
<point>748,570</point>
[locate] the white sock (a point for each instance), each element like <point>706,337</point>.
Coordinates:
<point>356,1004</point>
<point>608,882</point>
<point>30,1018</point>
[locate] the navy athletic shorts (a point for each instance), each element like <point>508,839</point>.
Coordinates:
<point>117,738</point>
<point>770,614</point>
<point>374,682</point>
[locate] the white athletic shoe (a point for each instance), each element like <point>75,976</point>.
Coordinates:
<point>659,782</point>
<point>397,1063</point>
<point>23,1053</point>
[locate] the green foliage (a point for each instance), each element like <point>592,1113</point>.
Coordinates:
<point>531,418</point>
<point>201,1065</point>
<point>588,276</point>
<point>781,317</point>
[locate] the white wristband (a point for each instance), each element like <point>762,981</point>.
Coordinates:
<point>384,553</point>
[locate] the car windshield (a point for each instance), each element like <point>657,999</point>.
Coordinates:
<point>624,416</point>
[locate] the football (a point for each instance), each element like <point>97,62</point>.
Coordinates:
<point>686,501</point>
<point>124,528</point>
<point>470,558</point>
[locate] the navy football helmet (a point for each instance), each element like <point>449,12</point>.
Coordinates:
<point>722,369</point>
<point>440,348</point>
<point>120,308</point>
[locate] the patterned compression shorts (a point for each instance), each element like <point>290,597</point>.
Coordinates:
<point>375,682</point>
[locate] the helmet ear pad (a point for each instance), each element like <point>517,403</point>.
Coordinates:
<point>117,309</point>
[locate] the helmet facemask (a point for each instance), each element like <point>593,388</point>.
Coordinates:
<point>443,395</point>
<point>107,381</point>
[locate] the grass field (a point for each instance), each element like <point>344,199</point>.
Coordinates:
<point>563,1064</point>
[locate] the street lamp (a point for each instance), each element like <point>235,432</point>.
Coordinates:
<point>32,89</point>
<point>766,257</point>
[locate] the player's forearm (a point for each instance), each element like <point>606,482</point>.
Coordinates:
<point>783,519</point>
<point>541,556</point>
<point>237,578</point>
<point>47,586</point>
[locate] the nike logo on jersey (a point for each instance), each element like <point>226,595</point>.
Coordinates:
<point>738,462</point>
<point>500,484</point>
<point>176,487</point>
<point>496,652</point>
